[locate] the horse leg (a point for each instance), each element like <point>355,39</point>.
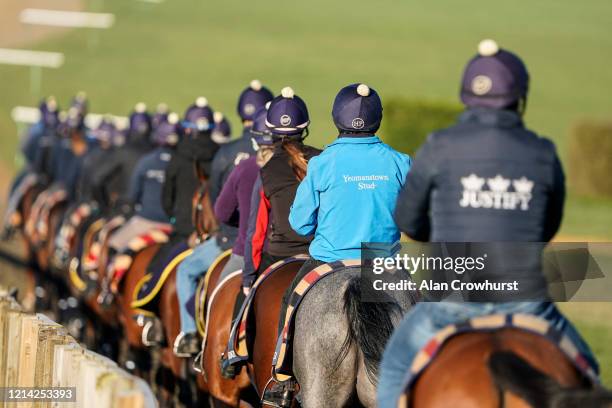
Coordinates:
<point>325,365</point>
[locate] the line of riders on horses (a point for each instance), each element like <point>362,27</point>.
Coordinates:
<point>242,207</point>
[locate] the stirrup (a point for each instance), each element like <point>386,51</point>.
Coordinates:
<point>285,400</point>
<point>228,370</point>
<point>150,335</point>
<point>198,362</point>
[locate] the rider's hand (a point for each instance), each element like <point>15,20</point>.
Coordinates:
<point>246,290</point>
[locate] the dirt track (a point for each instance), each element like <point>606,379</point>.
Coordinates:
<point>15,34</point>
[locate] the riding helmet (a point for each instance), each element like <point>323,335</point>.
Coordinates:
<point>253,98</point>
<point>80,102</point>
<point>106,130</point>
<point>287,114</point>
<point>167,132</point>
<point>495,78</point>
<point>357,109</point>
<point>222,131</point>
<point>160,115</point>
<point>140,120</point>
<point>75,119</point>
<point>261,133</point>
<point>49,114</point>
<point>199,116</point>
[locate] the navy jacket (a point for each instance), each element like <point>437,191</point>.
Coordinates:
<point>145,190</point>
<point>228,156</point>
<point>486,179</point>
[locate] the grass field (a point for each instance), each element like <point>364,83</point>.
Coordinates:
<point>179,49</point>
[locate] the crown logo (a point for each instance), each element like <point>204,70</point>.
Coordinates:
<point>498,184</point>
<point>523,185</point>
<point>472,182</point>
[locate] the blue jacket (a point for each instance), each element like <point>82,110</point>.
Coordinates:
<point>349,196</point>
<point>145,190</point>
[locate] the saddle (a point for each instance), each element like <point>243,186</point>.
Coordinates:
<point>69,230</point>
<point>150,285</point>
<point>204,296</point>
<point>237,348</point>
<point>282,363</point>
<point>37,226</point>
<point>76,269</point>
<point>11,216</point>
<point>528,323</point>
<point>93,247</point>
<point>123,260</point>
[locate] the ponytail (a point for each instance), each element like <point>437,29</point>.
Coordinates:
<point>297,161</point>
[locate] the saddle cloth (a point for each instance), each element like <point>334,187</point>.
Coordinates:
<point>10,221</point>
<point>123,260</point>
<point>201,297</point>
<point>75,269</point>
<point>282,368</point>
<point>41,210</point>
<point>529,323</point>
<point>211,298</point>
<point>237,349</point>
<point>92,252</point>
<point>71,225</point>
<point>151,284</point>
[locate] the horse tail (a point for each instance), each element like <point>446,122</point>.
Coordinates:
<point>370,325</point>
<point>514,374</point>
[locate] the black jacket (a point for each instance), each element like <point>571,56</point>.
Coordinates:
<point>280,185</point>
<point>193,157</point>
<point>111,178</point>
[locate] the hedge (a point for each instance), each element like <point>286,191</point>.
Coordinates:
<point>590,158</point>
<point>406,123</point>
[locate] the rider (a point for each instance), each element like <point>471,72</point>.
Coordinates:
<point>250,100</point>
<point>204,254</point>
<point>189,165</point>
<point>145,191</point>
<point>222,131</point>
<point>350,191</point>
<point>110,180</point>
<point>39,135</point>
<point>490,140</point>
<point>235,197</point>
<point>283,167</point>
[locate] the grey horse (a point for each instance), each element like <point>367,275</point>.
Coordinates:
<point>339,340</point>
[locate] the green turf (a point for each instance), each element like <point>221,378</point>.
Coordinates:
<point>593,322</point>
<point>179,49</point>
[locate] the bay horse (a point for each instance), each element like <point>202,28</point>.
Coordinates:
<point>24,210</point>
<point>266,312</point>
<point>509,368</point>
<point>336,355</point>
<point>223,391</point>
<point>135,356</point>
<point>176,368</point>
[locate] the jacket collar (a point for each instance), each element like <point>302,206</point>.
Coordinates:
<point>492,117</point>
<point>356,140</point>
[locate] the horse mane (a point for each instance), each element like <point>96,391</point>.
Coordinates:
<point>514,374</point>
<point>370,325</point>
